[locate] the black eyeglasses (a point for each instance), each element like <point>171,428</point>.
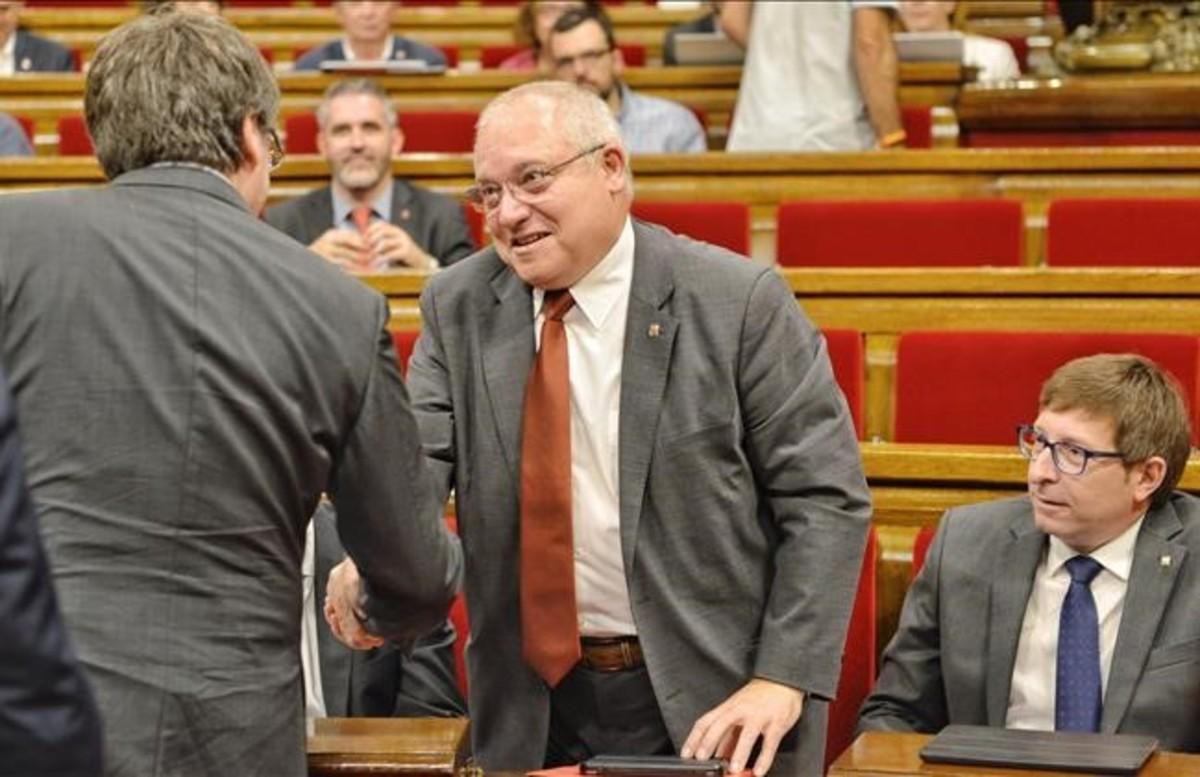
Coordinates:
<point>274,149</point>
<point>485,196</point>
<point>1068,458</point>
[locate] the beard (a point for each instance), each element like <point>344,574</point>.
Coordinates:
<point>360,173</point>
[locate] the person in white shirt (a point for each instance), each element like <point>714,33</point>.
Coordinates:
<point>1077,606</point>
<point>993,57</point>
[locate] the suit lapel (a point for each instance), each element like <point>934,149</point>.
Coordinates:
<point>506,339</point>
<point>317,215</point>
<point>649,342</point>
<point>1012,580</point>
<point>1156,563</point>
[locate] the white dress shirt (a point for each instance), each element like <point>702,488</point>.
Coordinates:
<point>1031,698</point>
<point>310,661</point>
<point>595,329</point>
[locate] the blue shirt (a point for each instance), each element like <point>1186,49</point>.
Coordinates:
<point>652,125</point>
<point>12,138</point>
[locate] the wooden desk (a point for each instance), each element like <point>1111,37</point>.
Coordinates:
<point>414,747</point>
<point>878,754</point>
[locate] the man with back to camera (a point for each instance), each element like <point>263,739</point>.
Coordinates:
<point>663,512</point>
<point>583,48</point>
<point>366,220</point>
<point>189,382</point>
<point>1075,607</point>
<point>368,36</point>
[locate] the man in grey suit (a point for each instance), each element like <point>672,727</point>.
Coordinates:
<point>1002,627</point>
<point>190,381</point>
<point>23,52</point>
<point>715,496</point>
<point>402,225</point>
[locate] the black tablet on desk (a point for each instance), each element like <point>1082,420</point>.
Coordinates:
<point>1068,751</point>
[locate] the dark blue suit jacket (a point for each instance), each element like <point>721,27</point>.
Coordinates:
<point>402,48</point>
<point>48,719</point>
<point>32,54</point>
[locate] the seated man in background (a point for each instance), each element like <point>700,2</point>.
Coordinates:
<point>381,683</point>
<point>1076,607</point>
<point>994,58</point>
<point>23,52</point>
<point>534,22</point>
<point>366,220</point>
<point>368,36</point>
<point>583,49</point>
<point>13,141</point>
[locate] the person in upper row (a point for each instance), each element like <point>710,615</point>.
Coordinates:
<point>23,52</point>
<point>366,220</point>
<point>818,76</point>
<point>367,28</point>
<point>583,49</point>
<point>1074,607</point>
<point>994,58</point>
<point>534,22</point>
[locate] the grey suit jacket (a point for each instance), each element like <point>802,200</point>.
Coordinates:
<point>32,54</point>
<point>951,660</point>
<point>383,682</point>
<point>190,381</point>
<point>743,507</point>
<point>434,221</point>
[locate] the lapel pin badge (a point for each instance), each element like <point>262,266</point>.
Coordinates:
<point>405,214</point>
<point>655,330</point>
<point>1164,561</point>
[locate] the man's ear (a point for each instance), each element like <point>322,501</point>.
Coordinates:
<point>618,61</point>
<point>397,140</point>
<point>615,164</point>
<point>1148,477</point>
<point>320,141</point>
<point>254,147</point>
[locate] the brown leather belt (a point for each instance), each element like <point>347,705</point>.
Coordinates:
<point>611,654</point>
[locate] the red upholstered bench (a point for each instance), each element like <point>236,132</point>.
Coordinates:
<point>1123,232</point>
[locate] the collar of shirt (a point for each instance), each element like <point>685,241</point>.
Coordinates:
<point>381,207</point>
<point>8,55</point>
<point>1116,555</point>
<point>388,49</point>
<point>596,293</point>
<point>196,166</point>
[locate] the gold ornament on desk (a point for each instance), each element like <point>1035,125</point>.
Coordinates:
<point>1163,37</point>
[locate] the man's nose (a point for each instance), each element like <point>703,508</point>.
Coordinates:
<point>1041,467</point>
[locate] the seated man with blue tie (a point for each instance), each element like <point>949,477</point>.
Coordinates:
<point>366,220</point>
<point>1077,606</point>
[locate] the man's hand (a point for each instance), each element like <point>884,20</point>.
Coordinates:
<point>341,599</point>
<point>345,248</point>
<point>390,246</point>
<point>729,730</point>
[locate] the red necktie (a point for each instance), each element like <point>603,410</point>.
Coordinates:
<point>361,216</point>
<point>549,632</point>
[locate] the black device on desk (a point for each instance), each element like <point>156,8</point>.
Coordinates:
<point>1068,751</point>
<point>652,766</point>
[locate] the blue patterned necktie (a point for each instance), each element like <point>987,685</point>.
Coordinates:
<point>1077,701</point>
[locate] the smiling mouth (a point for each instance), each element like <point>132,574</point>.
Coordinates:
<point>528,240</point>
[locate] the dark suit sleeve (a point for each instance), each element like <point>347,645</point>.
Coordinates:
<point>48,719</point>
<point>388,517</point>
<point>909,694</point>
<point>430,381</point>
<point>426,683</point>
<point>801,445</point>
<point>451,237</point>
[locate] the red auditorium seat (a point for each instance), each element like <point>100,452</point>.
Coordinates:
<point>26,126</point>
<point>846,352</point>
<point>73,138</point>
<point>462,626</point>
<point>446,132</point>
<point>858,660</point>
<point>404,340</point>
<point>491,56</point>
<point>726,224</point>
<point>977,387</point>
<point>1138,232</point>
<point>918,125</point>
<point>899,233</point>
<point>475,224</point>
<point>921,548</point>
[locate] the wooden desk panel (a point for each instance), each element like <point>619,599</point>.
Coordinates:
<point>414,747</point>
<point>880,754</point>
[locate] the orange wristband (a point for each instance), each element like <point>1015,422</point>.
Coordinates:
<point>893,139</point>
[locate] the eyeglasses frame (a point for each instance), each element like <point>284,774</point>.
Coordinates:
<point>1088,453</point>
<point>475,195</point>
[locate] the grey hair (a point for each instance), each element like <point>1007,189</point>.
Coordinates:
<point>355,86</point>
<point>176,87</point>
<point>575,113</point>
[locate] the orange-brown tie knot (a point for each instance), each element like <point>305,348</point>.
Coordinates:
<point>556,304</point>
<point>361,216</point>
